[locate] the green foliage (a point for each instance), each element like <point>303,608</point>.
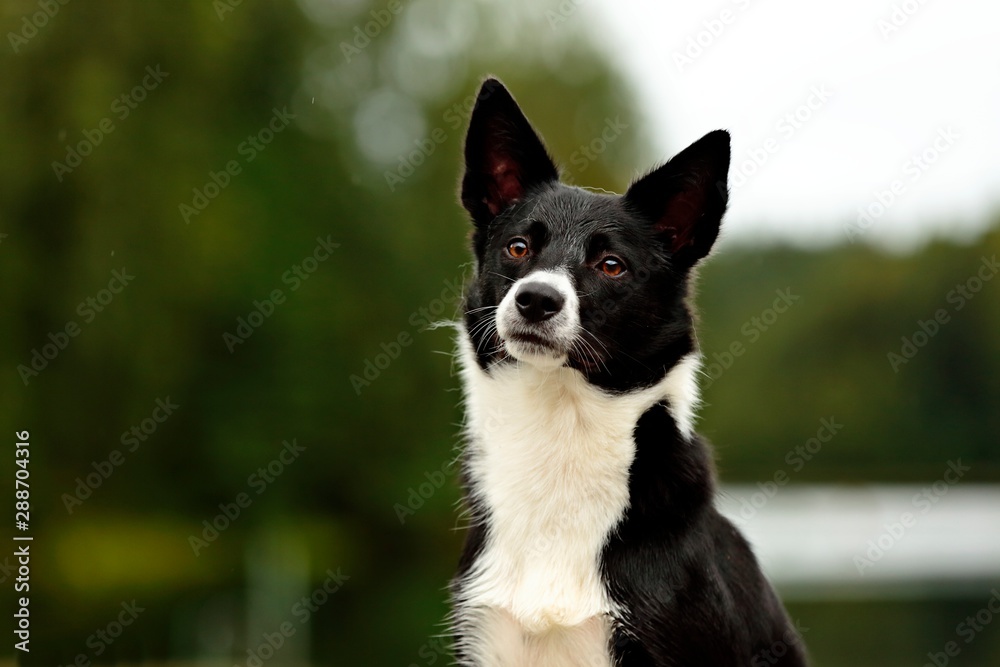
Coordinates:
<point>838,350</point>
<point>379,450</point>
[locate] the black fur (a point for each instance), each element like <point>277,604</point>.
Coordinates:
<point>692,586</point>
<point>692,590</point>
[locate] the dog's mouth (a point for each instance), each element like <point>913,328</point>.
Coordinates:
<point>530,339</point>
<point>526,342</point>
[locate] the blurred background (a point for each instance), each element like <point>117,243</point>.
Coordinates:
<point>226,226</point>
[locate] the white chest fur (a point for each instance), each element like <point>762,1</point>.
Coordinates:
<point>549,455</point>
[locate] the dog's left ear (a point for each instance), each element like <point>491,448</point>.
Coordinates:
<point>686,197</point>
<point>504,157</point>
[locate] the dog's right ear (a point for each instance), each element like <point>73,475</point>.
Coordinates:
<point>504,157</point>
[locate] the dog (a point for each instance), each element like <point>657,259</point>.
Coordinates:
<point>593,538</point>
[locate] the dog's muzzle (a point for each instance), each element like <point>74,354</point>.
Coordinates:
<point>538,318</point>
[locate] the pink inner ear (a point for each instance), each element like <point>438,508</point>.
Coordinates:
<point>680,216</point>
<point>505,188</point>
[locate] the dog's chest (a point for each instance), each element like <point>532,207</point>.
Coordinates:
<point>549,457</point>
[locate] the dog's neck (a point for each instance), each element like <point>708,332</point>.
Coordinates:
<point>550,467</point>
<point>510,395</point>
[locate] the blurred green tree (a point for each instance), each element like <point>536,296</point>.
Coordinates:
<point>215,215</point>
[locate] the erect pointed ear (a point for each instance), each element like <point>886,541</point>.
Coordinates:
<point>686,198</point>
<point>504,158</point>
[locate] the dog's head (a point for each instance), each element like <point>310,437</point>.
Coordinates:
<point>568,277</point>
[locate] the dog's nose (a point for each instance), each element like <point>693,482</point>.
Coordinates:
<point>538,301</point>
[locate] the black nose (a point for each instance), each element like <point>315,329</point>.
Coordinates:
<point>538,301</point>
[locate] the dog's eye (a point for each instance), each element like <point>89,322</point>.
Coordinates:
<point>518,248</point>
<point>612,266</point>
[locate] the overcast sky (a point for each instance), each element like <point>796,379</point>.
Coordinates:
<point>831,106</point>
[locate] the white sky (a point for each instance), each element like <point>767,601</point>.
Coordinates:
<point>889,98</point>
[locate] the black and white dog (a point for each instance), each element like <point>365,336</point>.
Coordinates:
<point>594,541</point>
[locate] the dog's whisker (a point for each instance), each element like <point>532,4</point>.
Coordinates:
<point>500,275</point>
<point>481,325</point>
<point>592,353</point>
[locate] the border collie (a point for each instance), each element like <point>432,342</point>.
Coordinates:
<point>593,538</point>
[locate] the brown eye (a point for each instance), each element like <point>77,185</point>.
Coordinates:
<point>612,266</point>
<point>518,249</point>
